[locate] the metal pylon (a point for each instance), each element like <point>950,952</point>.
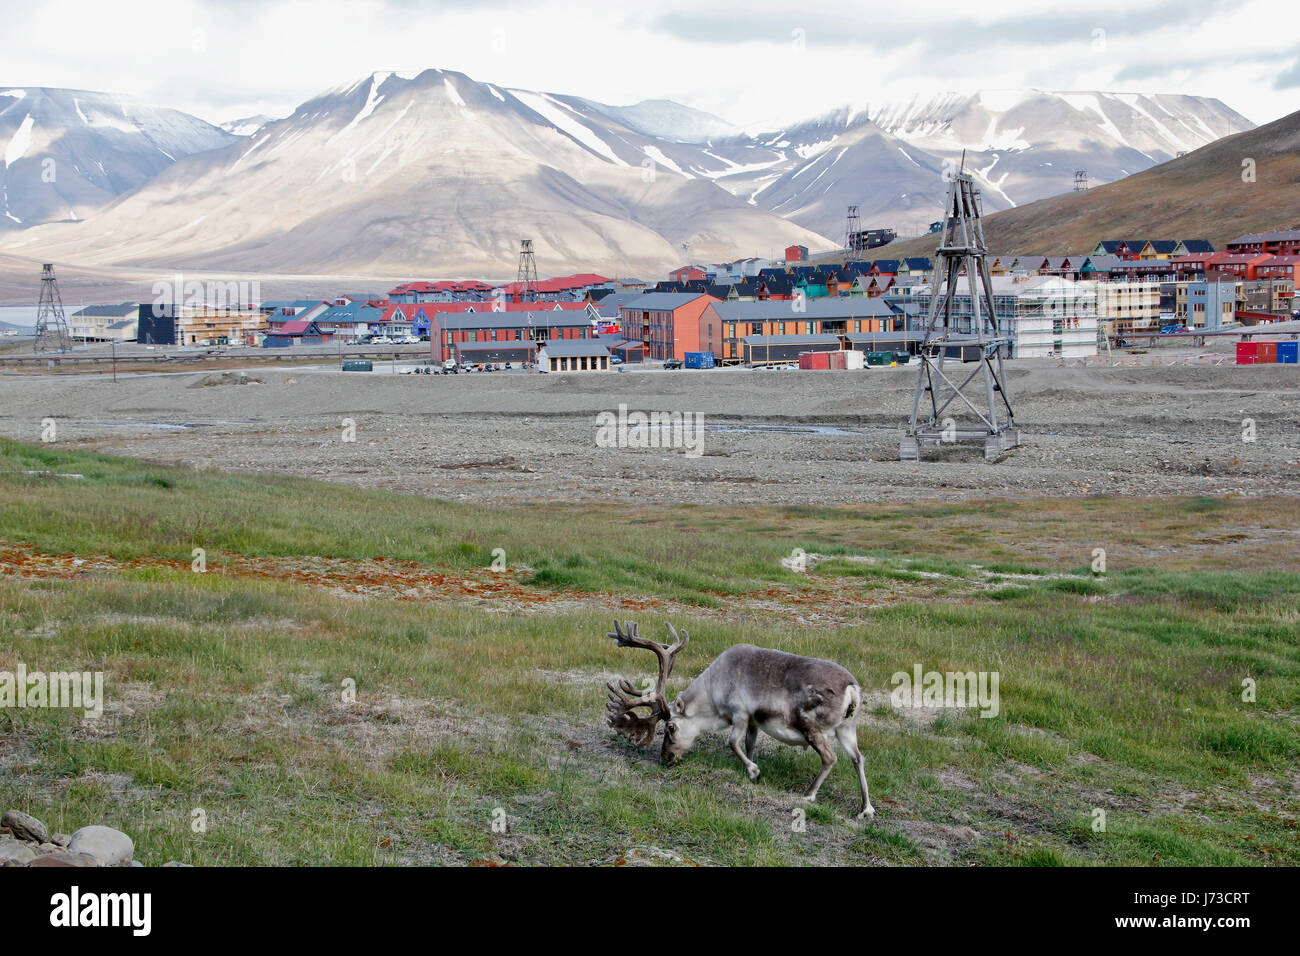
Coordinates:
<point>952,408</point>
<point>852,232</point>
<point>51,324</point>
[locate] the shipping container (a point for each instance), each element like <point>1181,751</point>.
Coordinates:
<point>854,359</point>
<point>1267,354</point>
<point>1246,352</point>
<point>880,358</point>
<point>814,360</point>
<point>699,360</point>
<point>1288,353</point>
<point>902,358</point>
<point>836,360</point>
<point>357,365</point>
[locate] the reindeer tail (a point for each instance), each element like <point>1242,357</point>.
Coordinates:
<point>853,700</point>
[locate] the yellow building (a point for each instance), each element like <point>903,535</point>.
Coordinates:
<point>207,326</point>
<point>1124,307</point>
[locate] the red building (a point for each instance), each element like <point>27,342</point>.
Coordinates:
<point>796,253</point>
<point>1236,265</point>
<point>448,330</point>
<point>687,274</point>
<point>1279,267</point>
<point>1274,243</point>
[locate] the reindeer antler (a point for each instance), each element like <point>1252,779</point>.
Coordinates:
<point>624,699</point>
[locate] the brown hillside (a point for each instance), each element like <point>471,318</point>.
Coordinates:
<point>1200,195</point>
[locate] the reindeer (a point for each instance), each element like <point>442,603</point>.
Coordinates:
<point>801,701</point>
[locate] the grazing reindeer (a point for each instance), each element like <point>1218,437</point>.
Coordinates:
<point>800,701</point>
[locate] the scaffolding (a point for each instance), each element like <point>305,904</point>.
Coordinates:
<point>939,401</point>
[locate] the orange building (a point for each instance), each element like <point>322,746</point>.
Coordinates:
<point>725,325</point>
<point>667,324</point>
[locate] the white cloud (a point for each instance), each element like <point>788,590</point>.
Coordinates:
<point>222,60</point>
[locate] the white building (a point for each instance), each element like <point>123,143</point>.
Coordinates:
<point>1043,315</point>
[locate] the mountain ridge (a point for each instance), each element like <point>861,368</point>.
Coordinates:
<point>595,184</point>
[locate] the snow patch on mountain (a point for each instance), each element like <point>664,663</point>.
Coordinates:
<point>20,141</point>
<point>564,119</point>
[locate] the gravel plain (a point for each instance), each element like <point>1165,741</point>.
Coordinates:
<point>1142,427</point>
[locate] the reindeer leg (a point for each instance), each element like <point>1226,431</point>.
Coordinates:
<point>819,743</point>
<point>848,737</point>
<point>751,738</point>
<point>739,734</point>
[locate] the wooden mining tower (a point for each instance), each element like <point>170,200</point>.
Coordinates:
<point>526,279</point>
<point>950,404</point>
<point>51,324</point>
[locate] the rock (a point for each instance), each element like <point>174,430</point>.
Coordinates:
<point>25,827</point>
<point>15,853</point>
<point>109,847</point>
<point>64,858</point>
<point>62,839</point>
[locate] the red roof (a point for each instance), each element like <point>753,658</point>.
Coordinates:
<point>559,284</point>
<point>442,285</point>
<point>295,327</point>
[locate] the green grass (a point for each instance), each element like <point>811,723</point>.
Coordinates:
<point>225,693</point>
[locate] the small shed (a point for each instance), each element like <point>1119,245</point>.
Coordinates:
<point>574,355</point>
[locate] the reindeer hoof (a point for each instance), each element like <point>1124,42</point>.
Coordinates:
<point>868,814</point>
<point>753,772</point>
<point>809,798</point>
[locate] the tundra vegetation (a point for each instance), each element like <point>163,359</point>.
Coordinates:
<point>479,694</point>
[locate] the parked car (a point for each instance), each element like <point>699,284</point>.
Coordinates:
<point>671,364</point>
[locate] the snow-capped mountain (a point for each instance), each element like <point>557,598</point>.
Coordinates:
<point>67,153</point>
<point>1022,145</point>
<point>247,125</point>
<point>668,120</point>
<point>438,173</point>
<point>431,174</point>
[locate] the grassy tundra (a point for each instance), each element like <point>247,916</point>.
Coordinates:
<point>479,694</point>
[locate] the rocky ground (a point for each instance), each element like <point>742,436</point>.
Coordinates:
<point>1142,427</point>
<point>26,841</point>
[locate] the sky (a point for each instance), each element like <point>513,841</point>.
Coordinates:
<point>758,65</point>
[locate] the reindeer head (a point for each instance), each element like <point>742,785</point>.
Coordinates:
<point>625,701</point>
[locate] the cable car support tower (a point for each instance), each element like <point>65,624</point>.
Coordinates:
<point>51,332</point>
<point>951,405</point>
